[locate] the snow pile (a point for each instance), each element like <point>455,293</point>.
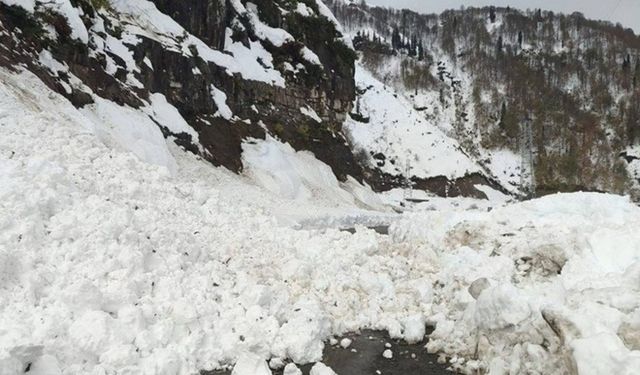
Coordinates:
<point>130,130</point>
<point>298,175</point>
<point>542,286</point>
<point>403,135</point>
<point>109,264</point>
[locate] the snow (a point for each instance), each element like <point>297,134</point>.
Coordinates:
<point>345,343</point>
<point>145,19</point>
<point>220,99</point>
<point>309,112</point>
<point>492,194</point>
<point>46,59</point>
<point>120,252</point>
<point>72,14</point>
<point>539,269</point>
<point>251,364</point>
<point>326,13</point>
<point>310,56</point>
<point>135,269</point>
<point>291,369</point>
<point>168,116</point>
<point>399,132</point>
<point>321,369</point>
<point>304,10</point>
<point>62,7</point>
<point>118,48</point>
<point>298,175</point>
<point>505,165</point>
<point>277,37</point>
<point>130,130</point>
<point>28,5</point>
<point>247,61</point>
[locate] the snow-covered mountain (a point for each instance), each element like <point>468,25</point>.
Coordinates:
<point>545,102</point>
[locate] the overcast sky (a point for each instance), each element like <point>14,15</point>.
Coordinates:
<point>627,12</point>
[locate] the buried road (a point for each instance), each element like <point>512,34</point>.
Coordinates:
<point>373,352</point>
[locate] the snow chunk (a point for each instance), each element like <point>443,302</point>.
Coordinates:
<point>301,337</point>
<point>251,364</point>
<point>414,328</point>
<point>92,331</point>
<point>321,369</point>
<point>388,354</point>
<point>592,358</point>
<point>345,343</point>
<point>291,369</point>
<point>501,307</point>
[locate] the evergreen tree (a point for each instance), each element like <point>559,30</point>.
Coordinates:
<point>492,14</point>
<point>395,39</point>
<point>520,39</point>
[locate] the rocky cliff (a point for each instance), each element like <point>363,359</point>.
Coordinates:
<point>234,70</point>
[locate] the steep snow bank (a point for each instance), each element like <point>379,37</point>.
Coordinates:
<point>541,286</point>
<point>300,176</point>
<point>404,136</point>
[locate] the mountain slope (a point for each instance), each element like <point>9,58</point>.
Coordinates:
<point>540,99</point>
<point>235,78</point>
<point>211,75</point>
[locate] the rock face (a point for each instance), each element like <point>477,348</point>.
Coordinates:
<point>205,19</point>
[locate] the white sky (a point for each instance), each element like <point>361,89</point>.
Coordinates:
<point>627,12</point>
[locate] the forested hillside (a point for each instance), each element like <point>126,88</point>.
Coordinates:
<point>548,102</point>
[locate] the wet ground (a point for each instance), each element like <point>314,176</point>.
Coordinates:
<point>364,357</point>
<point>382,229</point>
